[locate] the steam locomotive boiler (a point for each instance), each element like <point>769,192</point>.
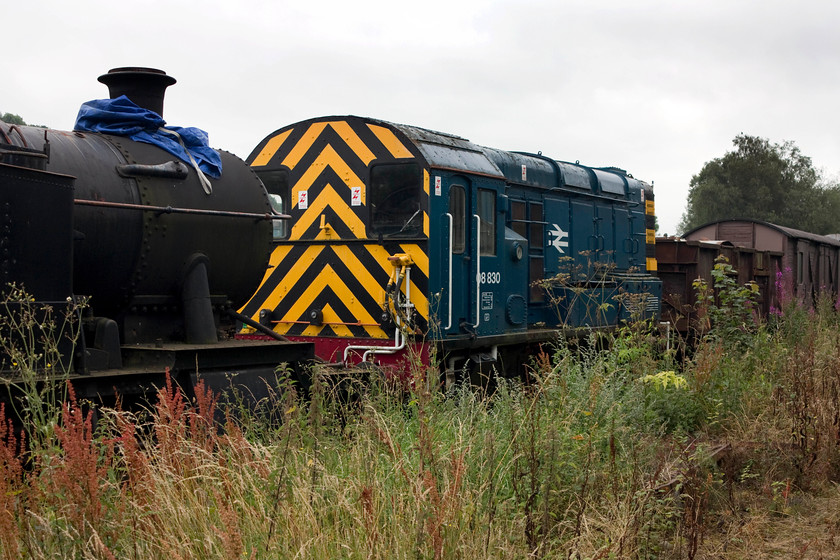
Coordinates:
<point>164,245</point>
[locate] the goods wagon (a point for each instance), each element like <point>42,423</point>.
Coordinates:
<point>682,261</point>
<point>784,262</point>
<point>810,263</point>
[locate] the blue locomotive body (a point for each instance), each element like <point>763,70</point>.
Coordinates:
<point>399,232</point>
<point>538,243</point>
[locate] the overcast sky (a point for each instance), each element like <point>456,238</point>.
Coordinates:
<point>656,88</point>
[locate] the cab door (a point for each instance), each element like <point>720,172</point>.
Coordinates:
<point>487,290</point>
<point>605,238</point>
<point>584,240</point>
<point>473,279</point>
<point>623,239</point>
<point>457,253</point>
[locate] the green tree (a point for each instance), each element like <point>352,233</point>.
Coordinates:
<point>12,119</point>
<point>763,181</point>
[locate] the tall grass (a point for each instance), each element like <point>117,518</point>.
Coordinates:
<point>619,453</point>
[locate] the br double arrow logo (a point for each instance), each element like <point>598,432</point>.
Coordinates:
<point>559,235</point>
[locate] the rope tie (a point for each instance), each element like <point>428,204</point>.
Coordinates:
<point>205,182</point>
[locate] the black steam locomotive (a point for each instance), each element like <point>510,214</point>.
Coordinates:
<point>163,253</point>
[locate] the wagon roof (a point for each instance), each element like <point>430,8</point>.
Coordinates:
<point>790,232</point>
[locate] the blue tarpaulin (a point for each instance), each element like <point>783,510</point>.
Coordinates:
<point>122,117</point>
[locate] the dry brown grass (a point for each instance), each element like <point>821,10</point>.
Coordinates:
<point>807,528</point>
<point>587,462</point>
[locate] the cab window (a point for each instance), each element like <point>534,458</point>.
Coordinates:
<point>277,185</point>
<point>395,200</point>
<point>487,214</point>
<point>518,219</point>
<point>458,210</point>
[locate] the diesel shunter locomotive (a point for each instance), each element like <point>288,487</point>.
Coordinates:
<point>404,242</point>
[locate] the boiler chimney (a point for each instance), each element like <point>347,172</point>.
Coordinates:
<point>144,86</point>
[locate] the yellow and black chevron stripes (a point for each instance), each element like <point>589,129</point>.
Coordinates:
<point>338,220</point>
<point>327,160</point>
<point>346,282</point>
<point>327,263</point>
<point>310,137</point>
<point>650,234</point>
<point>426,214</point>
<point>270,149</point>
<point>390,141</point>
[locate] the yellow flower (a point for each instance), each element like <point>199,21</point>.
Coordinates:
<point>661,380</point>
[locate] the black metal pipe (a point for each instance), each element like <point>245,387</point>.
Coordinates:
<point>173,210</point>
<point>251,323</point>
<point>198,312</point>
<point>144,86</point>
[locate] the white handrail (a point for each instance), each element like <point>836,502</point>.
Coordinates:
<point>477,271</point>
<point>373,350</point>
<point>399,336</point>
<point>399,344</point>
<point>449,285</point>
